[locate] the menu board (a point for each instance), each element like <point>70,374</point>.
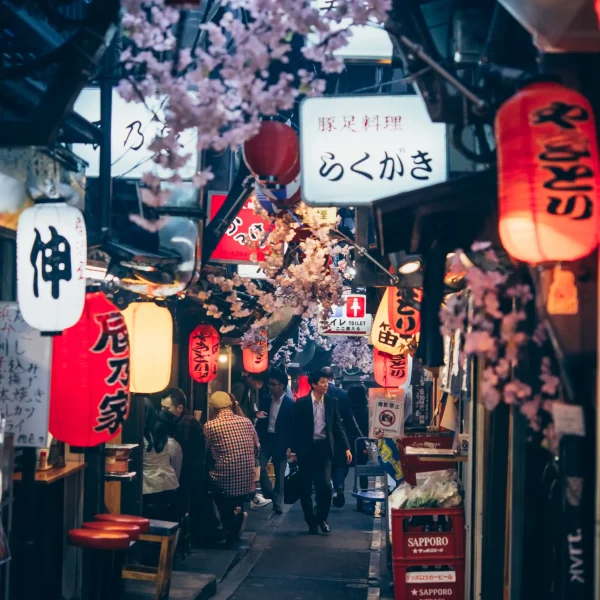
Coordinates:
<point>25,358</point>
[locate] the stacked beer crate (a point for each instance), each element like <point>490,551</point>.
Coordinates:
<point>428,553</point>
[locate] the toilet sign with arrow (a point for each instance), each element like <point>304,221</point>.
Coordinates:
<point>349,319</point>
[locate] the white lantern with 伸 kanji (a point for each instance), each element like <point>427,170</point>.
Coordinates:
<point>383,335</point>
<point>51,261</point>
<point>150,330</point>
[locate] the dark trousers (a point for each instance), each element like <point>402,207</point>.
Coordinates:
<point>162,506</point>
<point>268,452</point>
<point>315,468</point>
<point>231,518</point>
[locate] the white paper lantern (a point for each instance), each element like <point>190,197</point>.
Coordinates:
<point>150,330</point>
<point>383,336</point>
<point>51,261</point>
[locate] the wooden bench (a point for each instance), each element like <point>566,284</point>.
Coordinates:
<point>164,533</point>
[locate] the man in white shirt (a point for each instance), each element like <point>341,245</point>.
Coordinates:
<point>273,425</point>
<point>318,431</point>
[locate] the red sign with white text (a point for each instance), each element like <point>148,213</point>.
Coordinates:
<point>246,226</point>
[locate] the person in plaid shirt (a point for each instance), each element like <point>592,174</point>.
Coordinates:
<point>233,452</point>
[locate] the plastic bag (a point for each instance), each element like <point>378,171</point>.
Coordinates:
<point>440,490</point>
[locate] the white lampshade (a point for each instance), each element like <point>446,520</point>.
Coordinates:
<point>150,330</point>
<point>51,261</point>
<point>383,336</point>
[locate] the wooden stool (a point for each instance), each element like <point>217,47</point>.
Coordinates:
<point>164,533</point>
<point>103,556</point>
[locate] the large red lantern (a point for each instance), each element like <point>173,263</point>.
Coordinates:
<point>304,388</point>
<point>203,356</point>
<point>273,155</point>
<point>89,391</point>
<point>548,177</point>
<point>404,318</point>
<point>257,360</point>
<point>390,371</point>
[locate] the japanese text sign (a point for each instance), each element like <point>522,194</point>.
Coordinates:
<point>388,418</point>
<point>246,227</point>
<point>357,149</point>
<point>351,319</point>
<point>25,358</point>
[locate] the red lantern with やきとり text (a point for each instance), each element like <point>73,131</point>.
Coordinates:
<point>548,174</point>
<point>89,391</point>
<point>404,318</point>
<point>390,371</point>
<point>273,154</point>
<point>256,360</point>
<point>203,353</point>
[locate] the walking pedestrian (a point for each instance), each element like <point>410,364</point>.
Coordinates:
<point>233,450</point>
<point>274,428</point>
<point>317,429</point>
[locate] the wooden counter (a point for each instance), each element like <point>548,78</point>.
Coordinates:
<point>54,474</point>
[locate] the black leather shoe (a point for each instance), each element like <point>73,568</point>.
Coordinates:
<point>324,527</point>
<point>313,531</point>
<point>339,500</point>
<point>277,509</point>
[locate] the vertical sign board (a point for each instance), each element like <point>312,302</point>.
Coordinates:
<point>357,149</point>
<point>25,358</point>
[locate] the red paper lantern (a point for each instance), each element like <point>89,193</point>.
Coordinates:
<point>203,355</point>
<point>256,361</point>
<point>304,388</point>
<point>273,155</point>
<point>404,318</point>
<point>89,391</point>
<point>390,371</point>
<point>548,177</point>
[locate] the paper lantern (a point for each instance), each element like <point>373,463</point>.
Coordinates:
<point>548,177</point>
<point>203,353</point>
<point>274,153</point>
<point>151,339</point>
<point>51,260</point>
<point>383,335</point>
<point>404,318</point>
<point>304,388</point>
<point>391,371</point>
<point>256,361</point>
<point>89,392</point>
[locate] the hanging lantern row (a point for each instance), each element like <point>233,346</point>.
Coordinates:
<point>204,346</point>
<point>548,174</point>
<point>89,392</point>
<point>257,361</point>
<point>391,371</point>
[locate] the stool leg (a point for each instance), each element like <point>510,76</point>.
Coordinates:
<point>161,575</point>
<point>116,576</point>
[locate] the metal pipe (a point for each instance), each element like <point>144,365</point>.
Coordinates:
<point>105,168</point>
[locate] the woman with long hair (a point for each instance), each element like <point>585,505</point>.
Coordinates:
<point>160,480</point>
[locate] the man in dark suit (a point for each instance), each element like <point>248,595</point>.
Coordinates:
<point>274,428</point>
<point>318,430</point>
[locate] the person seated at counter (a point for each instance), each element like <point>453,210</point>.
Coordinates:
<point>160,481</point>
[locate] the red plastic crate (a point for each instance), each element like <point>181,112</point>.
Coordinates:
<point>447,583</point>
<point>419,547</point>
<point>411,465</point>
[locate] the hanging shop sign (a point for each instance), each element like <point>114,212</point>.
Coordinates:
<point>360,148</point>
<point>350,319</point>
<point>247,227</point>
<point>150,330</point>
<point>51,261</point>
<point>388,419</point>
<point>203,353</point>
<point>25,359</point>
<point>257,360</point>
<point>548,174</point>
<point>392,371</point>
<point>404,318</point>
<point>90,376</point>
<point>383,336</point>
<point>133,126</point>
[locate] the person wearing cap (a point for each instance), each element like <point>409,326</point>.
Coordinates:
<point>233,452</point>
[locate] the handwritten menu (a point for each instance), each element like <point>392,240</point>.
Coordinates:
<point>25,358</point>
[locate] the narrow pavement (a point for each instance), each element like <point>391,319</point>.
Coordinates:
<point>293,565</point>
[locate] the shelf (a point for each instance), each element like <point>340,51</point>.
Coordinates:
<point>122,477</point>
<point>442,458</point>
<point>54,474</point>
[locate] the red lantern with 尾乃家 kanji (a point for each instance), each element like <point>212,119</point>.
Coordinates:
<point>404,318</point>
<point>390,371</point>
<point>89,391</point>
<point>548,174</point>
<point>203,355</point>
<point>256,360</point>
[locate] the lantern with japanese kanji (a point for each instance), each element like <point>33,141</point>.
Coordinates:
<point>273,155</point>
<point>404,318</point>
<point>383,336</point>
<point>151,338</point>
<point>203,353</point>
<point>51,260</point>
<point>391,371</point>
<point>256,360</point>
<point>89,391</point>
<point>548,174</point>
